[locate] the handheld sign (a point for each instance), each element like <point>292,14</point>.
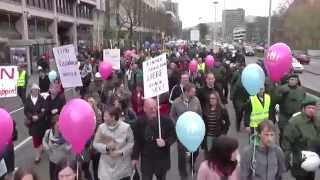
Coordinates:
<point>155,76</point>
<point>113,56</point>
<point>67,65</point>
<point>8,81</point>
<point>155,79</point>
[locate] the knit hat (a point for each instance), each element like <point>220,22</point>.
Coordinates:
<point>293,75</point>
<point>309,101</point>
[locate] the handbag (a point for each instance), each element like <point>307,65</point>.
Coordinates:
<point>135,175</point>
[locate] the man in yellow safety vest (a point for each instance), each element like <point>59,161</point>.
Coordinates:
<point>22,84</point>
<point>259,110</point>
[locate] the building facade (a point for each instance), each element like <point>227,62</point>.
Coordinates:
<point>231,19</point>
<point>40,25</point>
<point>239,34</point>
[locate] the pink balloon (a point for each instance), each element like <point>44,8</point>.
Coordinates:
<point>77,123</point>
<point>193,66</point>
<point>105,69</point>
<point>6,128</point>
<point>209,61</point>
<point>278,61</point>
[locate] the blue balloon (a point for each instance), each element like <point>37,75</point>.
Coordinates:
<point>52,75</point>
<point>190,130</point>
<point>253,78</point>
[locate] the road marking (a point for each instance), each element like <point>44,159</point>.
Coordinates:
<point>14,111</point>
<point>22,143</point>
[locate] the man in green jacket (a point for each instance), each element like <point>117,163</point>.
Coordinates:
<point>302,133</point>
<point>289,96</point>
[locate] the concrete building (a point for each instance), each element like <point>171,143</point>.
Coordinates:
<point>39,25</point>
<point>239,34</point>
<point>230,19</point>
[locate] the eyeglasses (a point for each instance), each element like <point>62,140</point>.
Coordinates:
<point>66,176</point>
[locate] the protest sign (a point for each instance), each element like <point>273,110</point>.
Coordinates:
<point>8,81</point>
<point>67,65</point>
<point>155,76</point>
<point>113,56</point>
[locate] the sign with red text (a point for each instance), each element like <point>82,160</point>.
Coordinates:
<point>155,76</point>
<point>8,81</point>
<point>67,65</point>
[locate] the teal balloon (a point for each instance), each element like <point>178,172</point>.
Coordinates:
<point>190,130</point>
<point>52,75</point>
<point>252,78</point>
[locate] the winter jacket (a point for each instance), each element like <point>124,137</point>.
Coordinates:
<point>183,104</point>
<point>56,147</point>
<point>300,134</point>
<point>269,165</point>
<point>36,128</point>
<point>118,167</point>
<point>44,84</point>
<point>206,173</point>
<point>153,158</point>
<point>218,126</point>
<point>203,94</point>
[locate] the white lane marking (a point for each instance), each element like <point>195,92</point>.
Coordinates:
<point>14,111</point>
<point>22,143</point>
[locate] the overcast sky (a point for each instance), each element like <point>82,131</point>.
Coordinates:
<point>192,12</point>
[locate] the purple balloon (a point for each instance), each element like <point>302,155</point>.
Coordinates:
<point>77,123</point>
<point>278,61</point>
<point>193,66</point>
<point>6,128</point>
<point>105,69</point>
<point>209,61</point>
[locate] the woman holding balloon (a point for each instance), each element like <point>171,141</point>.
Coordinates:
<point>114,140</point>
<point>34,111</point>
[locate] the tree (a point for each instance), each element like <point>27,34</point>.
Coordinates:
<point>203,28</point>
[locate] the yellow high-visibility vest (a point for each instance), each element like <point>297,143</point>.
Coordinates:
<point>22,79</point>
<point>201,67</point>
<point>259,113</point>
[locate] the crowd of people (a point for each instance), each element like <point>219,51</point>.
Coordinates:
<point>127,134</point>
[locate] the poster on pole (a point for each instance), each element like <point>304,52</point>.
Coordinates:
<point>113,56</point>
<point>67,65</point>
<point>8,81</point>
<point>195,35</point>
<point>155,76</point>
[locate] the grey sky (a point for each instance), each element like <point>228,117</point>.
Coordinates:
<point>190,11</point>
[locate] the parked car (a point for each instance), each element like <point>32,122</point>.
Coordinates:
<point>249,51</point>
<point>297,67</point>
<point>303,58</point>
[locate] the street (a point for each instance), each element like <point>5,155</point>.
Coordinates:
<point>25,156</point>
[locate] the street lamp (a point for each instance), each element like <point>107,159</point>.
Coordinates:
<point>215,21</point>
<point>269,23</point>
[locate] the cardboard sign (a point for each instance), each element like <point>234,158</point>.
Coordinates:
<point>155,76</point>
<point>8,81</point>
<point>67,65</point>
<point>113,56</point>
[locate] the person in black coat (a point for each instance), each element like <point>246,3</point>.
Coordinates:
<point>153,151</point>
<point>34,111</point>
<point>44,81</point>
<point>54,103</point>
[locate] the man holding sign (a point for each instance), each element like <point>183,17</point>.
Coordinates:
<point>154,151</point>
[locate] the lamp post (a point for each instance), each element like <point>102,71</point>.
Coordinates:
<point>269,23</point>
<point>215,20</point>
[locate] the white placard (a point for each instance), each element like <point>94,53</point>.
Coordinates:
<point>155,76</point>
<point>195,35</point>
<point>113,56</point>
<point>67,65</point>
<point>8,81</point>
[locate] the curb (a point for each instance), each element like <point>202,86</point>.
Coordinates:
<point>311,91</point>
<point>311,72</point>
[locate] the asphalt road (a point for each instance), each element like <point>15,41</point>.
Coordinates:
<point>23,146</point>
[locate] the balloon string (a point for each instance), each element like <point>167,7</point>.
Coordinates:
<point>192,165</point>
<point>77,169</point>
